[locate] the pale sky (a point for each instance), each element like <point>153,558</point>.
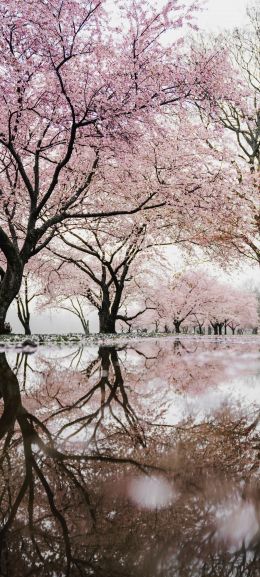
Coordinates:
<point>221,14</point>
<point>218,15</point>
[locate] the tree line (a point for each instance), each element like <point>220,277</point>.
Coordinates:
<point>115,143</point>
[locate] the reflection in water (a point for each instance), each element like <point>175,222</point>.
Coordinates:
<point>128,462</point>
<point>150,492</point>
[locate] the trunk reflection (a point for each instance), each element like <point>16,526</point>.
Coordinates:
<point>100,477</point>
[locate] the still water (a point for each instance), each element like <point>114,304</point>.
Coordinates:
<point>128,461</point>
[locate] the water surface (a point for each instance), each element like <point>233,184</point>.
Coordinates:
<point>135,460</point>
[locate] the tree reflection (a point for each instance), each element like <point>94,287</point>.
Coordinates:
<point>113,403</point>
<point>70,452</point>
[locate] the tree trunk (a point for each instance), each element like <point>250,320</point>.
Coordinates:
<point>233,330</point>
<point>26,326</point>
<point>108,312</point>
<point>85,324</point>
<point>177,325</point>
<point>215,329</point>
<point>107,323</point>
<point>25,321</point>
<point>9,289</point>
<point>4,306</point>
<point>27,329</point>
<point>220,327</point>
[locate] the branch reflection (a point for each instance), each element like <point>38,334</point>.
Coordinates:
<point>94,469</point>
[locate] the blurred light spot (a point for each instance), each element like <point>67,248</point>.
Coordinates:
<point>238,526</point>
<point>150,492</point>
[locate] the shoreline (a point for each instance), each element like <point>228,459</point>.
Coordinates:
<point>22,341</point>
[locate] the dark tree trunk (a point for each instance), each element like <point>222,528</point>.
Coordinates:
<point>107,323</point>
<point>233,331</point>
<point>9,289</point>
<point>27,329</point>
<point>23,310</point>
<point>4,306</point>
<point>215,328</point>
<point>108,312</point>
<point>177,325</point>
<point>85,325</point>
<point>25,321</point>
<point>220,327</point>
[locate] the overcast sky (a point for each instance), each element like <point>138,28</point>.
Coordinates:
<point>221,14</point>
<point>218,15</point>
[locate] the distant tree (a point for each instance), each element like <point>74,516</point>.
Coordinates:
<point>107,267</point>
<point>32,289</point>
<point>196,299</point>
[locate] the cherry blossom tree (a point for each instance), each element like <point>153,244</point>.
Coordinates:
<point>195,299</point>
<point>186,295</point>
<point>107,265</point>
<point>76,93</point>
<point>24,300</point>
<point>235,308</point>
<point>32,292</point>
<point>232,110</point>
<point>106,251</point>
